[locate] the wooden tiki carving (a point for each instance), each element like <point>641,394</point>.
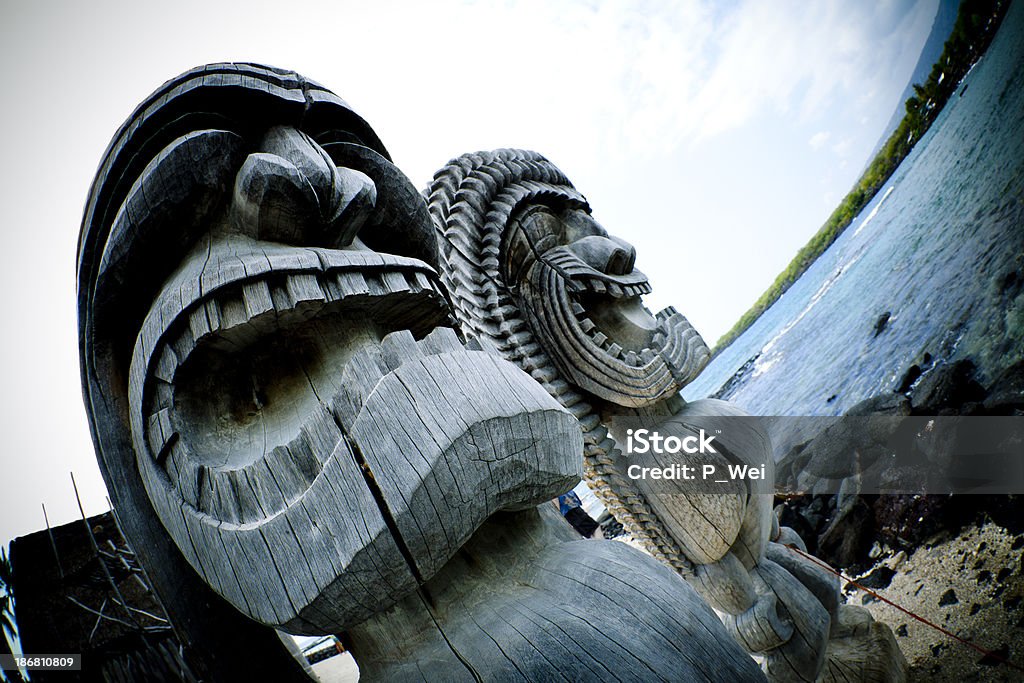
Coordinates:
<point>529,269</point>
<point>296,434</point>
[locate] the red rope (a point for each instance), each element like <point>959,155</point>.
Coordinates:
<point>987,653</point>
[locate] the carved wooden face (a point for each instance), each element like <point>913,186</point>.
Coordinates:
<point>580,291</point>
<point>311,459</point>
<point>253,330</point>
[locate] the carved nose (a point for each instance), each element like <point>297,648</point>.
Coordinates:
<point>621,259</point>
<point>610,255</point>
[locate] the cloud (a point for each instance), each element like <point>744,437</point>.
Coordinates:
<point>793,57</point>
<point>842,147</point>
<point>630,79</point>
<point>657,75</point>
<point>818,139</point>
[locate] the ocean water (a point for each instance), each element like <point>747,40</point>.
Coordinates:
<point>940,251</point>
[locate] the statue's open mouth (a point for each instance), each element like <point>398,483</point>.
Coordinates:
<point>231,374</point>
<point>605,339</point>
<point>616,319</point>
<point>609,310</point>
<point>298,403</point>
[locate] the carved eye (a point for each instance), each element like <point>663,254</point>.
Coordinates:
<point>294,194</point>
<point>577,225</point>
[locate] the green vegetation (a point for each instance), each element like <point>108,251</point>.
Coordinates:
<point>976,23</point>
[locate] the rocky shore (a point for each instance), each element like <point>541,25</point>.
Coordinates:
<point>917,312</point>
<point>956,560</point>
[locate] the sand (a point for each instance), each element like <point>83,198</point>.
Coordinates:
<point>984,568</point>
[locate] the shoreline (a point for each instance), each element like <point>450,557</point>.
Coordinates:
<point>922,111</point>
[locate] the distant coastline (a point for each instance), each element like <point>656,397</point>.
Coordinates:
<point>976,24</point>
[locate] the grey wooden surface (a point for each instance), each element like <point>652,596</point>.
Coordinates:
<point>525,599</point>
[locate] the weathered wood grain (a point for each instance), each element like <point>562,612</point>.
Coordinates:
<point>467,450</point>
<point>523,600</point>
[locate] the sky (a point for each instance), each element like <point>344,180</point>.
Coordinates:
<point>715,136</point>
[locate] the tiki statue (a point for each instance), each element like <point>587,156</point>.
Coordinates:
<point>296,435</point>
<point>529,269</point>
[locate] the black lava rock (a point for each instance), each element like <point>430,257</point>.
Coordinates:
<point>948,598</point>
<point>882,323</point>
<point>848,538</point>
<point>947,386</point>
<point>1006,394</point>
<point>881,577</point>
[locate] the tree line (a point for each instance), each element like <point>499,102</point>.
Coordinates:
<point>976,24</point>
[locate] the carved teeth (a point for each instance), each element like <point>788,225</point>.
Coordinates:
<point>184,344</point>
<point>587,325</point>
<point>600,338</point>
<point>238,313</point>
<point>199,323</point>
<point>256,295</point>
<point>615,350</point>
<point>394,282</point>
<point>243,307</point>
<point>352,283</point>
<point>158,431</point>
<point>161,395</point>
<point>423,281</point>
<point>304,287</point>
<point>233,312</point>
<point>631,358</point>
<point>212,314</point>
<point>647,355</point>
<point>577,308</point>
<point>167,365</point>
<point>612,289</point>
